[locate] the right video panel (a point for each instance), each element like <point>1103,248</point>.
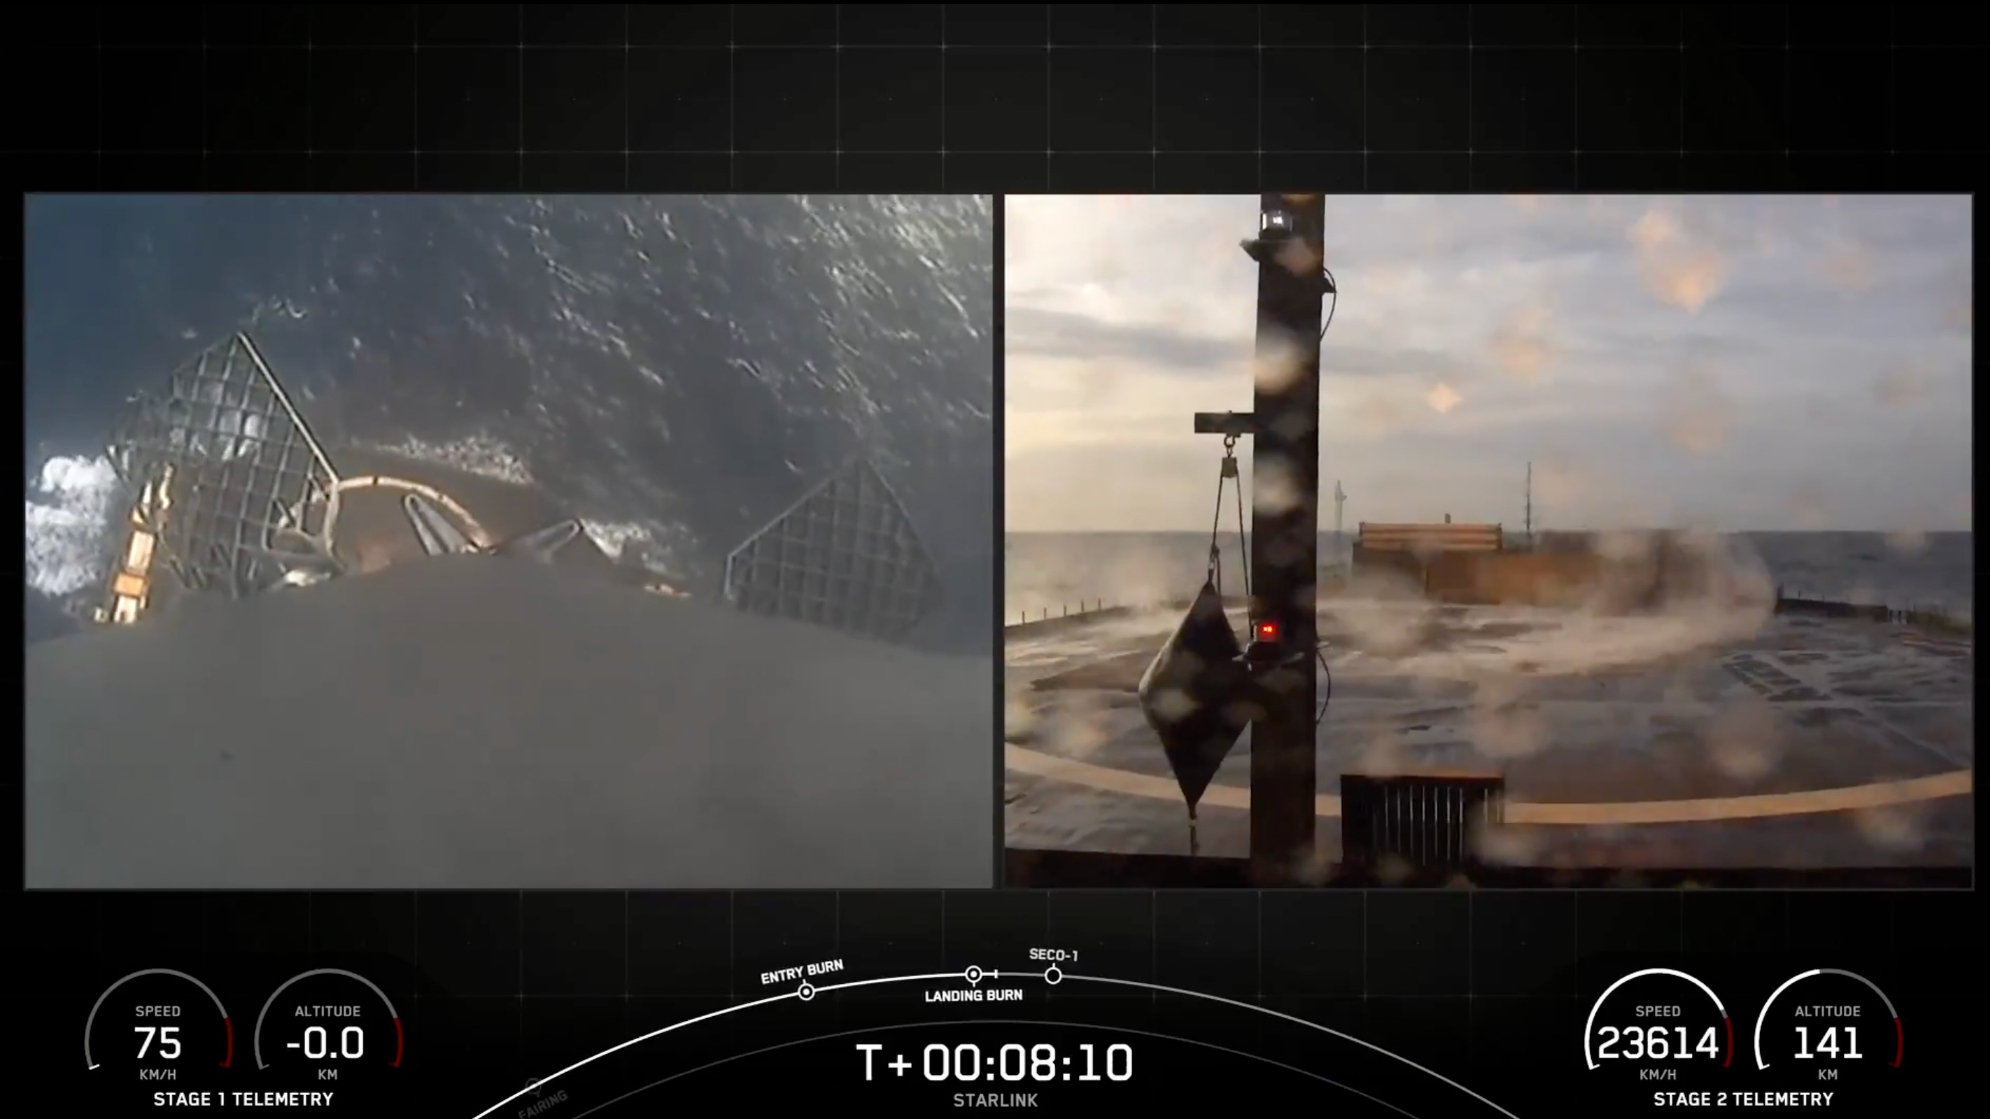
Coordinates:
<point>1524,540</point>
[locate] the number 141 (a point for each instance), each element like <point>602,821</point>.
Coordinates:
<point>1827,1043</point>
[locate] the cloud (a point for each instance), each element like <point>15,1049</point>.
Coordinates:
<point>1442,398</point>
<point>1561,481</point>
<point>1655,230</point>
<point>1044,333</point>
<point>1848,268</point>
<point>1678,268</point>
<point>1904,386</point>
<point>1698,415</point>
<point>1653,356</point>
<point>1037,331</point>
<point>1522,345</point>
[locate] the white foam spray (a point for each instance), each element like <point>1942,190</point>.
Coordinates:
<point>69,511</point>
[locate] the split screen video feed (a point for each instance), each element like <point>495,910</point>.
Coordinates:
<point>509,542</point>
<point>1488,540</point>
<point>649,542</point>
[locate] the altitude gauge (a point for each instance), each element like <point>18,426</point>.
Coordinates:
<point>1827,1026</point>
<point>159,1028</point>
<point>327,1028</point>
<point>1659,1027</point>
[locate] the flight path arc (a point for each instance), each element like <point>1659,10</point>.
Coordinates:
<point>1061,976</point>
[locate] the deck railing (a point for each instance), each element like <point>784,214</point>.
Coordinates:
<point>1788,601</point>
<point>1928,615</point>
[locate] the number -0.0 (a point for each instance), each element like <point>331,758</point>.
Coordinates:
<point>318,1043</point>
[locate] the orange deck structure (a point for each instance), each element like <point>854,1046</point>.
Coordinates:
<point>1470,564</point>
<point>1410,550</point>
<point>1425,539</point>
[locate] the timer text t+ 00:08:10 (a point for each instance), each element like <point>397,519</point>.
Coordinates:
<point>1014,1063</point>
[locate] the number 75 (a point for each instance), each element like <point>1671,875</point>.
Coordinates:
<point>169,1041</point>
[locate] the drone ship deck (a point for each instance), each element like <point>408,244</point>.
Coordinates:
<point>1721,742</point>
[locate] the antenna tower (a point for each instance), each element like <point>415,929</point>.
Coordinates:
<point>1530,504</point>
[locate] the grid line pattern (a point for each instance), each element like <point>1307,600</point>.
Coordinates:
<point>1481,987</point>
<point>1020,98</point>
<point>1139,97</point>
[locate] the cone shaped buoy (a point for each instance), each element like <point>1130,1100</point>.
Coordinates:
<point>1191,694</point>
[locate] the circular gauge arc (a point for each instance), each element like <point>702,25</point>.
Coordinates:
<point>228,1025</point>
<point>1589,1025</point>
<point>400,1037</point>
<point>1899,1036</point>
<point>1045,975</point>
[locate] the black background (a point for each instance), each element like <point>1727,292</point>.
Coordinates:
<point>1488,988</point>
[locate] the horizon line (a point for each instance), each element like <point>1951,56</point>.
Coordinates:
<point>1518,532</point>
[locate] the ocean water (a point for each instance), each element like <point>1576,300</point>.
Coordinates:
<point>675,370</point>
<point>1055,572</point>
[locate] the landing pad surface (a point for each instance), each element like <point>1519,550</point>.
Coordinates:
<point>1713,738</point>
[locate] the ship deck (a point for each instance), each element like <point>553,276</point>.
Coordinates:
<point>1714,740</point>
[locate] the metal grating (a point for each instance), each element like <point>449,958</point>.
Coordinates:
<point>845,557</point>
<point>237,463</point>
<point>1429,821</point>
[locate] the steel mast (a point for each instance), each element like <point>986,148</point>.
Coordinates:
<point>1284,424</point>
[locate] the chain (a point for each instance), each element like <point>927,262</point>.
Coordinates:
<point>1228,475</point>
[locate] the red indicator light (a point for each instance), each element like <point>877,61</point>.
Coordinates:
<point>1267,631</point>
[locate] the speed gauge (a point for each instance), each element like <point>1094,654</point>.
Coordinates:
<point>1660,1027</point>
<point>153,1024</point>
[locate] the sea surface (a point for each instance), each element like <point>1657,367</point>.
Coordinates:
<point>674,370</point>
<point>1050,573</point>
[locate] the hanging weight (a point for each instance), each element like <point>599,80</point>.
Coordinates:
<point>1195,693</point>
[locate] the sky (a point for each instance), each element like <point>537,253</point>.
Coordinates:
<point>1734,363</point>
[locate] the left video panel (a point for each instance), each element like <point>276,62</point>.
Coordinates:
<point>509,542</point>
